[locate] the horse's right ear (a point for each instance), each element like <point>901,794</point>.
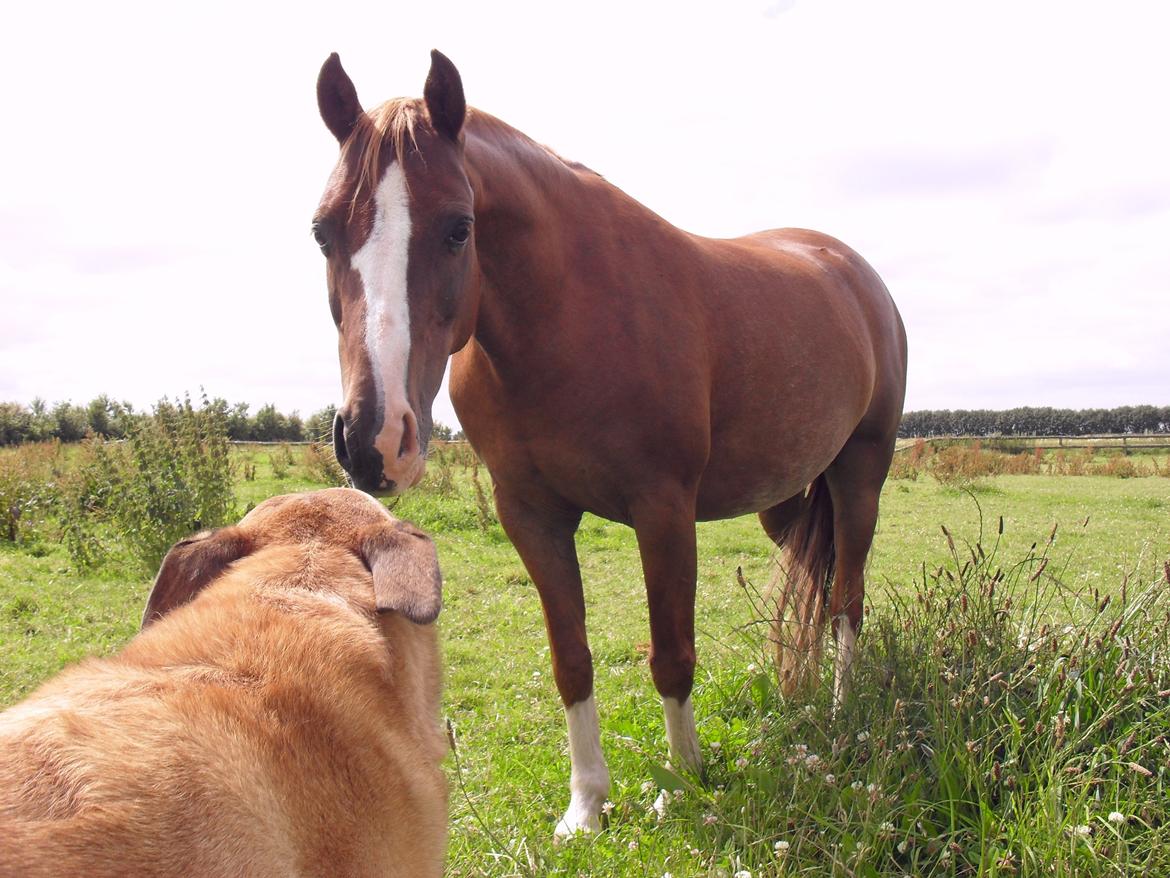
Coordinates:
<point>443,95</point>
<point>337,99</point>
<point>190,566</point>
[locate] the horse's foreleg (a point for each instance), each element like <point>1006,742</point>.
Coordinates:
<point>666,542</point>
<point>543,536</point>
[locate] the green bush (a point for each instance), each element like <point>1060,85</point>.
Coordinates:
<point>171,477</point>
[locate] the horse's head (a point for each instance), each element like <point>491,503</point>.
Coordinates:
<point>395,225</point>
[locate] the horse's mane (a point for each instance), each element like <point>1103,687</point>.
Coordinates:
<point>396,121</point>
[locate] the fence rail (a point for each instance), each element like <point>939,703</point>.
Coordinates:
<point>1105,442</point>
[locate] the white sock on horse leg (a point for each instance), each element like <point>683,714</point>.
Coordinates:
<point>681,736</point>
<point>589,777</point>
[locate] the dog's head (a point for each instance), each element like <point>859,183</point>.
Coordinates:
<point>401,558</point>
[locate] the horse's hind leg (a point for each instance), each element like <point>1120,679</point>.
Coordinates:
<point>855,481</point>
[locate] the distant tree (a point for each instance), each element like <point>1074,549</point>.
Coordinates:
<point>70,422</point>
<point>441,431</point>
<point>268,425</point>
<point>15,423</point>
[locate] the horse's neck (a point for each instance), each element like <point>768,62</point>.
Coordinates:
<point>528,205</point>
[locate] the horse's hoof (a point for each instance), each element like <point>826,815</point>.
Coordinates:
<point>576,823</point>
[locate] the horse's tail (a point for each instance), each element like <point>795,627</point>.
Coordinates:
<point>802,583</point>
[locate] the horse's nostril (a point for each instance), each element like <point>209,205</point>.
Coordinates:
<point>409,444</point>
<point>339,448</point>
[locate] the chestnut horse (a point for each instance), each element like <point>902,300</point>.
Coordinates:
<point>606,361</point>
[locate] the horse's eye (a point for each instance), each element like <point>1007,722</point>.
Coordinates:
<point>320,238</point>
<point>460,235</point>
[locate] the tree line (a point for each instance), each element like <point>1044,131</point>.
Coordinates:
<point>113,419</point>
<point>1033,421</point>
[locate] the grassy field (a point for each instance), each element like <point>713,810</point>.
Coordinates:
<point>936,766</point>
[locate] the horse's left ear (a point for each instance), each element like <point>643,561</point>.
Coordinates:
<point>405,568</point>
<point>443,95</point>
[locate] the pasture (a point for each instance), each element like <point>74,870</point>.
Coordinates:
<point>1011,712</point>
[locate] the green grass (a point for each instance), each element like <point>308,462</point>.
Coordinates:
<point>931,792</point>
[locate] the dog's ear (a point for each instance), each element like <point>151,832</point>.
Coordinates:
<point>405,568</point>
<point>190,566</point>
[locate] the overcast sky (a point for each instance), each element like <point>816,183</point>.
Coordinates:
<point>1003,165</point>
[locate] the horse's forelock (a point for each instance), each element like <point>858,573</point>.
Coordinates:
<point>393,123</point>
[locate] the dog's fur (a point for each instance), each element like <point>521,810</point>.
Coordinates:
<point>277,716</point>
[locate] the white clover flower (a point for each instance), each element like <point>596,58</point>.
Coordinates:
<point>782,848</point>
<point>1116,817</point>
<point>862,737</point>
<point>1082,830</point>
<point>871,788</point>
<point>647,787</point>
<point>857,785</point>
<point>710,820</point>
<point>830,779</point>
<point>632,845</point>
<point>607,807</point>
<point>741,763</point>
<point>886,828</point>
<point>743,873</point>
<point>902,846</point>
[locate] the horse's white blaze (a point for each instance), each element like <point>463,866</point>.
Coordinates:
<point>383,263</point>
<point>846,639</point>
<point>681,736</point>
<point>589,776</point>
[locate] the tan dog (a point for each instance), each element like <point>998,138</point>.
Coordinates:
<point>277,716</point>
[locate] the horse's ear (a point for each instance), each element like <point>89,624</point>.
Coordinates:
<point>190,566</point>
<point>337,98</point>
<point>443,95</point>
<point>405,568</point>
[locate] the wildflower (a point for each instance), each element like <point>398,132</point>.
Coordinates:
<point>607,807</point>
<point>871,789</point>
<point>782,848</point>
<point>862,737</point>
<point>857,785</point>
<point>743,873</point>
<point>830,779</point>
<point>741,763</point>
<point>903,846</point>
<point>710,820</point>
<point>716,746</point>
<point>886,828</point>
<point>1081,830</point>
<point>1116,817</point>
<point>660,804</point>
<point>633,845</point>
<point>647,787</point>
<point>695,852</point>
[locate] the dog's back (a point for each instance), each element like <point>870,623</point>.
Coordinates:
<point>270,727</point>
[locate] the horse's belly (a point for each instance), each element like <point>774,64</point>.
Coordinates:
<point>755,467</point>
